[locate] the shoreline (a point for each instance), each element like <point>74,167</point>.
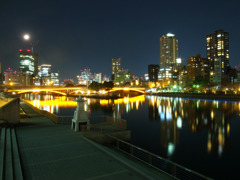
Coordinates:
<point>225,97</point>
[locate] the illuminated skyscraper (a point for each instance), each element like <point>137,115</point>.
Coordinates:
<point>26,63</point>
<point>44,70</point>
<point>116,66</point>
<point>168,51</point>
<point>218,55</point>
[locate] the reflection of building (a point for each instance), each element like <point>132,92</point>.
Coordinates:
<point>165,110</point>
<point>168,51</point>
<point>218,55</point>
<point>199,114</point>
<point>116,66</point>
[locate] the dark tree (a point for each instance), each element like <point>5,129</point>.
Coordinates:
<point>108,85</point>
<point>95,86</point>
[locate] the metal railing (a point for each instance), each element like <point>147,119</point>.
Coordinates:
<point>100,132</point>
<point>175,170</point>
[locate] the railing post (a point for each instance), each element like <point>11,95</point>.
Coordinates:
<point>118,144</point>
<point>131,150</point>
<point>149,158</point>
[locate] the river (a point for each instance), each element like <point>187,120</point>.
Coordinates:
<point>202,135</point>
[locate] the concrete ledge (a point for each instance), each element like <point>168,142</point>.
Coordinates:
<point>49,115</point>
<point>10,111</point>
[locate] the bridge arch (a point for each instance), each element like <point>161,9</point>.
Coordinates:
<point>140,90</point>
<point>40,90</point>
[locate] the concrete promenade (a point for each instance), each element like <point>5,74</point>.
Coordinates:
<point>51,151</point>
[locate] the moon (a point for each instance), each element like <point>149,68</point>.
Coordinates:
<point>26,36</point>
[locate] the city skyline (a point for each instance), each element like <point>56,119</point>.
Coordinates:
<point>77,35</point>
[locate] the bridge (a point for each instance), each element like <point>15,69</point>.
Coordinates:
<point>73,90</point>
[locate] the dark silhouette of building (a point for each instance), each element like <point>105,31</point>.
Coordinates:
<point>153,70</point>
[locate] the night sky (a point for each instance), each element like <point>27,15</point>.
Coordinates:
<point>75,34</point>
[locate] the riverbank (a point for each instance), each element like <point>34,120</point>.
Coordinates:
<point>226,97</point>
<point>64,154</point>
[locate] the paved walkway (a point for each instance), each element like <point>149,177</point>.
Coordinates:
<point>55,152</point>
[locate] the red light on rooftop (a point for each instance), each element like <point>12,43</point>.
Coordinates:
<point>20,50</point>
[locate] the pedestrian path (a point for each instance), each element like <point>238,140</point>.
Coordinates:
<point>51,151</point>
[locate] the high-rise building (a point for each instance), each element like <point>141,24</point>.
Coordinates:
<point>55,79</point>
<point>218,55</point>
<point>153,72</point>
<point>122,77</point>
<point>35,56</point>
<point>168,51</point>
<point>196,67</point>
<point>116,66</point>
<point>27,62</point>
<point>44,70</point>
<point>98,77</point>
<point>85,78</point>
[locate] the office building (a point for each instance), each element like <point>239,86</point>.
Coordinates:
<point>196,67</point>
<point>153,72</point>
<point>14,78</point>
<point>27,62</point>
<point>44,70</point>
<point>122,77</point>
<point>55,79</point>
<point>218,55</point>
<point>46,76</point>
<point>168,51</point>
<point>116,66</point>
<point>164,77</point>
<point>85,78</point>
<point>98,77</point>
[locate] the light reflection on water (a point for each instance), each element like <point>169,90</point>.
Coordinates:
<point>190,132</point>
